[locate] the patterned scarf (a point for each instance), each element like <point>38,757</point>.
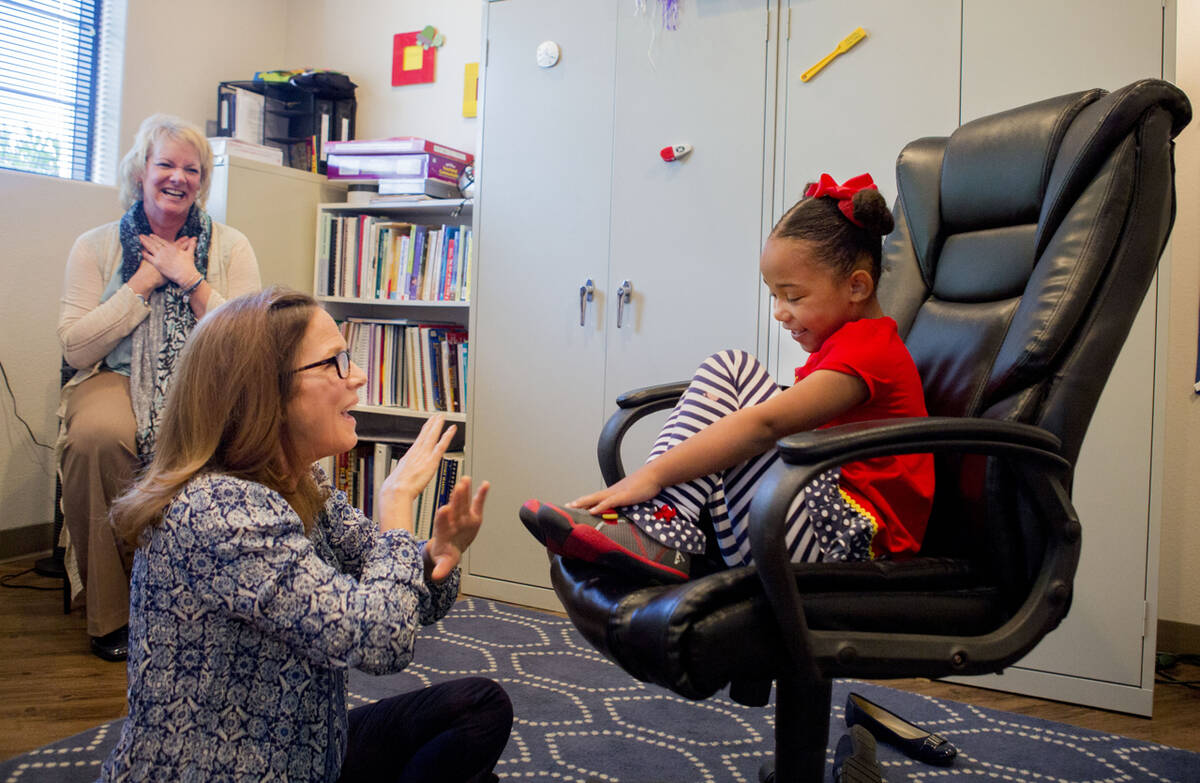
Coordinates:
<point>158,339</point>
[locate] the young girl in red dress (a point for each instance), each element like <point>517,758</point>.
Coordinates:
<point>821,263</point>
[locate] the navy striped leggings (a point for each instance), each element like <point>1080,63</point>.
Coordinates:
<point>823,523</point>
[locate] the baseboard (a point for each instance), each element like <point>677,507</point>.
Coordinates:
<point>24,541</point>
<point>1179,638</point>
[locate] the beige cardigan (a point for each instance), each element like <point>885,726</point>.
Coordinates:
<point>89,329</point>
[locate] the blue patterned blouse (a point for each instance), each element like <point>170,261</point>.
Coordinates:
<point>241,629</point>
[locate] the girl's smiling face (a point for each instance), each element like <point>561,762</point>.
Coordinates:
<point>811,299</point>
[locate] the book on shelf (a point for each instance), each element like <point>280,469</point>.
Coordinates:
<point>240,114</point>
<point>418,366</point>
<point>397,145</point>
<point>377,258</point>
<point>418,186</point>
<point>361,472</point>
<point>436,494</point>
<point>405,166</point>
<point>404,200</point>
<point>239,148</point>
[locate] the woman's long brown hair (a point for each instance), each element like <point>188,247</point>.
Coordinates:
<point>226,410</point>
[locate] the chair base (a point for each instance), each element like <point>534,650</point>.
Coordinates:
<point>801,729</point>
<point>52,567</point>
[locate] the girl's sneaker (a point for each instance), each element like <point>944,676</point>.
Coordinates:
<point>609,540</point>
<point>529,518</point>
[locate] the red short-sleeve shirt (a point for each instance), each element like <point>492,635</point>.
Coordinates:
<point>898,489</point>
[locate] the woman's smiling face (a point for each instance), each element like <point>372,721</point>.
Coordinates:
<point>318,413</point>
<point>171,182</point>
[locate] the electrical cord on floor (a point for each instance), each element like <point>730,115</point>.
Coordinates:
<point>13,397</point>
<point>6,581</point>
<point>1165,660</point>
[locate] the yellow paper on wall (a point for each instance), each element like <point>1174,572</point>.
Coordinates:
<point>471,90</point>
<point>414,58</point>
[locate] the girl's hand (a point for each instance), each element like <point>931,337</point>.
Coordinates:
<point>176,261</point>
<point>416,469</point>
<point>636,488</point>
<point>454,527</point>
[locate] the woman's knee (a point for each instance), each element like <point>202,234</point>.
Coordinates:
<point>491,699</point>
<point>102,437</point>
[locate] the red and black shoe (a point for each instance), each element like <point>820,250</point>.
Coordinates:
<point>529,518</point>
<point>609,540</point>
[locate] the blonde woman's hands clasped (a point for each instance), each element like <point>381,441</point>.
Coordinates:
<point>176,261</point>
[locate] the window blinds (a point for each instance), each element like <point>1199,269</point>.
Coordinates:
<point>48,65</point>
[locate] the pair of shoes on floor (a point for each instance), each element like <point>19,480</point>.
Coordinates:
<point>913,741</point>
<point>609,540</point>
<point>112,646</point>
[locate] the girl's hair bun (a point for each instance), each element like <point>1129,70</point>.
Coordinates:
<point>871,210</point>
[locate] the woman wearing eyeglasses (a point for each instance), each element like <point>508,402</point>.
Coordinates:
<point>256,587</point>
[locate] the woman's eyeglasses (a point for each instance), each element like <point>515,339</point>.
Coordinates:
<point>340,361</point>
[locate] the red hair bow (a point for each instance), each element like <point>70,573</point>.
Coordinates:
<point>827,186</point>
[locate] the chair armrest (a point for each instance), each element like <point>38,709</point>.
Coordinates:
<point>648,395</point>
<point>632,406</point>
<point>898,436</point>
<point>1040,468</point>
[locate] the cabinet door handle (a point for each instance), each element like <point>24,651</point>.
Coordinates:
<point>586,292</point>
<point>624,292</point>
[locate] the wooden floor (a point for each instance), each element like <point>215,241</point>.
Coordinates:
<point>51,686</point>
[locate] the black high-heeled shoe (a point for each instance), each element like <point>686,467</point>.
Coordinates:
<point>913,741</point>
<point>112,646</point>
<point>854,759</point>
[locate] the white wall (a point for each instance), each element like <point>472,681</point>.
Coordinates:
<point>176,51</point>
<point>175,54</point>
<point>1179,579</point>
<point>355,37</point>
<point>41,218</point>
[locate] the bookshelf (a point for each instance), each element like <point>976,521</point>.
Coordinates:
<point>396,277</point>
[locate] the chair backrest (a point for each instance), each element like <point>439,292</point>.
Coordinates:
<point>1024,245</point>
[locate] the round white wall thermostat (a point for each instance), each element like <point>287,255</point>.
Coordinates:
<point>547,54</point>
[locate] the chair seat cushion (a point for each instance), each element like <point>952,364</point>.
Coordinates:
<point>678,636</point>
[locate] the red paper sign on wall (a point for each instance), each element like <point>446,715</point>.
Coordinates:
<point>412,63</point>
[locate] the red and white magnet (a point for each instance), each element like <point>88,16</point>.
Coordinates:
<point>674,152</point>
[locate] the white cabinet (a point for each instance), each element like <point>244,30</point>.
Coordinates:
<point>572,191</point>
<point>272,206</point>
<point>1103,653</point>
<point>855,115</point>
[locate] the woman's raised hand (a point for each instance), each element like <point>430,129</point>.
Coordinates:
<point>454,527</point>
<point>176,261</point>
<point>416,469</point>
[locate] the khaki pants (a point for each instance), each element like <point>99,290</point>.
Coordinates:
<point>99,460</point>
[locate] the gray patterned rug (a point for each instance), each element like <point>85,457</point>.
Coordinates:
<point>580,719</point>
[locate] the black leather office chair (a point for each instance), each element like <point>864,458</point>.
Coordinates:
<point>1024,245</point>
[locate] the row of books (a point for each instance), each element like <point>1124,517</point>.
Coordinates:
<point>360,473</point>
<point>374,257</point>
<point>411,365</point>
